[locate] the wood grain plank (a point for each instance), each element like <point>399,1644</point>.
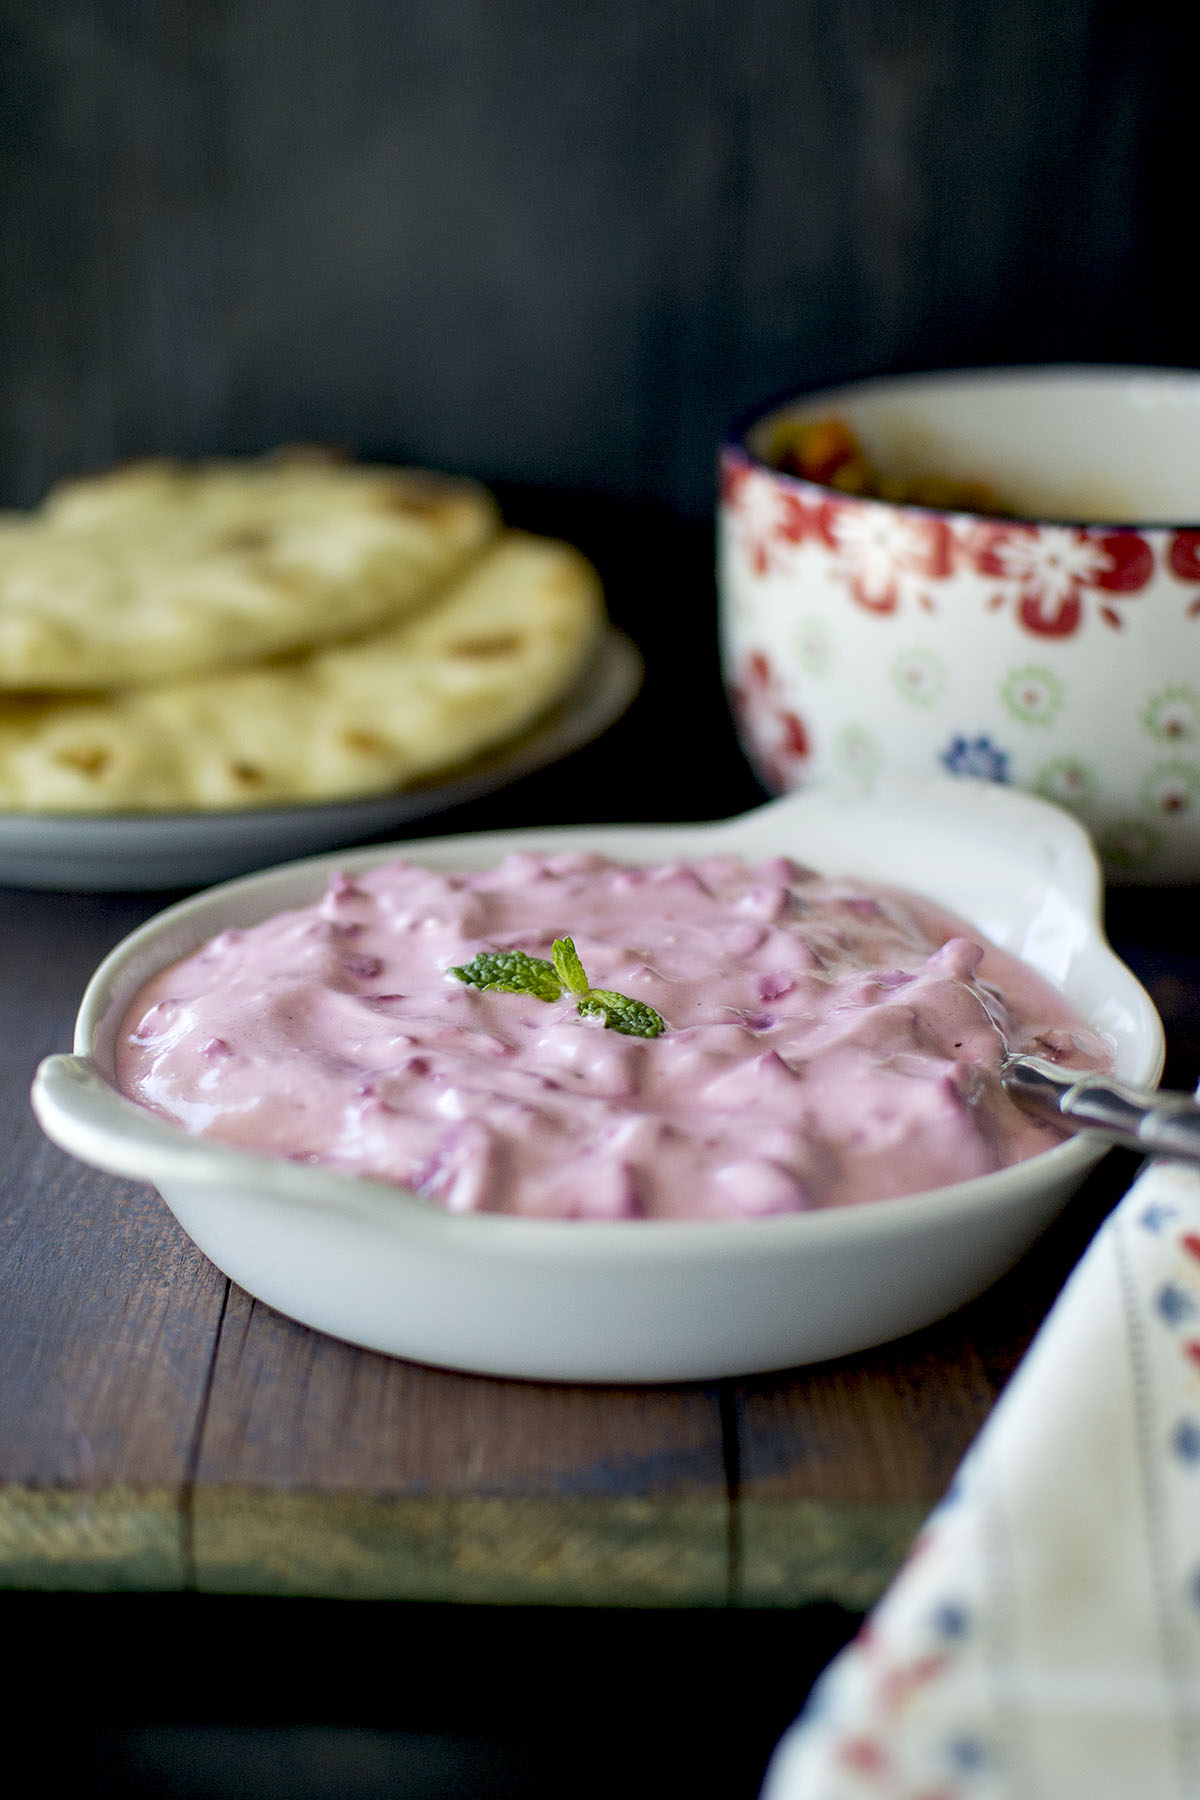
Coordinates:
<point>325,1469</point>
<point>108,1313</point>
<point>839,1464</point>
<point>105,1349</point>
<point>109,1322</point>
<point>517,1552</point>
<point>799,1552</point>
<point>111,1538</point>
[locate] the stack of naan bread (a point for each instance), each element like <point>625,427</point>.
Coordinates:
<point>249,633</point>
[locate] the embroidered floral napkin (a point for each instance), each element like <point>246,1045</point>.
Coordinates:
<point>1042,1641</point>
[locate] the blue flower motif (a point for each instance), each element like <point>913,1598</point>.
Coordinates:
<point>966,1753</point>
<point>976,756</point>
<point>1185,1440</point>
<point>950,1621</point>
<point>1158,1214</point>
<point>1174,1303</point>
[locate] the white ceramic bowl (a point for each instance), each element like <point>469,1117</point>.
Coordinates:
<point>1059,651</point>
<point>644,1300</point>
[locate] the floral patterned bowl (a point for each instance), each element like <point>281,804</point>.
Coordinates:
<point>1058,649</point>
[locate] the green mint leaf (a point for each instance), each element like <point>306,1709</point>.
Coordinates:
<point>511,972</point>
<point>568,967</point>
<point>633,1017</point>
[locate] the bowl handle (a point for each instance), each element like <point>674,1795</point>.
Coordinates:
<point>80,1112</point>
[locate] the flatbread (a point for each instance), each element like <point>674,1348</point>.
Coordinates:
<point>470,671</point>
<point>162,570</point>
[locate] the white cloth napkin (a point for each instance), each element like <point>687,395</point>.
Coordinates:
<point>1042,1641</point>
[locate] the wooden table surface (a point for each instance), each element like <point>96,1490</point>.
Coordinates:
<point>161,1431</point>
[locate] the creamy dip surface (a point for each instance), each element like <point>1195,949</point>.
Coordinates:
<point>826,1042</point>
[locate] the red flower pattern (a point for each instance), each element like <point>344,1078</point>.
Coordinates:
<point>775,735</point>
<point>770,516</point>
<point>1183,560</point>
<point>802,520</point>
<point>1053,567</point>
<point>887,555</point>
<point>863,1754</point>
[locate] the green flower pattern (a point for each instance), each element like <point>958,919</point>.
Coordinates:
<point>1033,695</point>
<point>1171,788</point>
<point>1174,715</point>
<point>815,650</point>
<point>920,676</point>
<point>858,752</point>
<point>1162,794</point>
<point>1068,780</point>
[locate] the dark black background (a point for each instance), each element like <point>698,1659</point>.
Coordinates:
<point>557,244</point>
<point>561,242</point>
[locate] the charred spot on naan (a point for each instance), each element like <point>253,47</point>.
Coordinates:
<point>421,500</point>
<point>90,759</point>
<point>247,775</point>
<point>363,743</point>
<point>501,645</point>
<point>245,538</point>
<point>165,570</point>
<point>488,649</point>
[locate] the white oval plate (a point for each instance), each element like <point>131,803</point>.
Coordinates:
<point>112,851</point>
<point>645,1300</point>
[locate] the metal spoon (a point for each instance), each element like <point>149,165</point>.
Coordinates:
<point>1141,1118</point>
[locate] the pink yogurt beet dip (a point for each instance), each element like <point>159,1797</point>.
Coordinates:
<point>826,1043</point>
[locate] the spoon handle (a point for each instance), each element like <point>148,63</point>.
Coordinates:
<point>1144,1119</point>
